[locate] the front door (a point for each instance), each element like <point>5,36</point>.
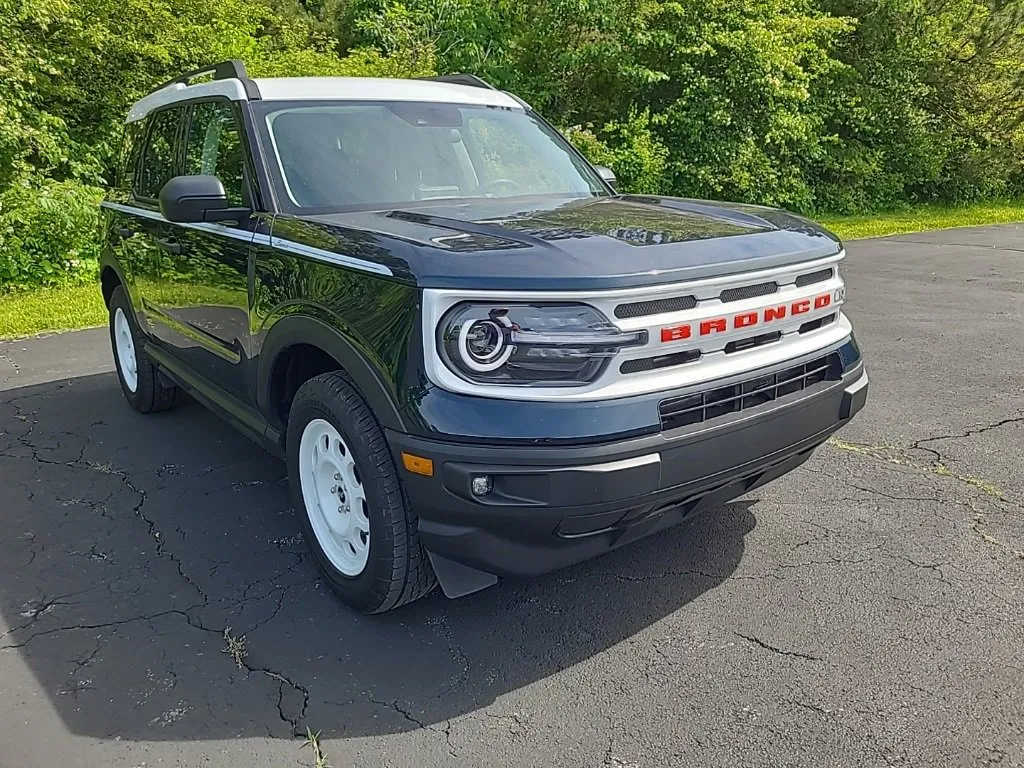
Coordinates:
<point>206,307</point>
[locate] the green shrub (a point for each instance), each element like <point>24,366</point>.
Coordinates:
<point>49,234</point>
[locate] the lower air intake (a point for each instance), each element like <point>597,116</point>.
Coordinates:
<point>733,398</point>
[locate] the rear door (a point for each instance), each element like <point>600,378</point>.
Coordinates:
<point>147,253</point>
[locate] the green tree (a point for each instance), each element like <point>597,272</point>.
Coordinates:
<point>69,72</point>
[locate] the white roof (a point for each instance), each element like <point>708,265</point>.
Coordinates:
<point>380,89</point>
<point>230,87</point>
<point>329,88</point>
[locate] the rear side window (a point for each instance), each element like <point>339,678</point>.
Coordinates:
<point>214,147</point>
<point>158,159</point>
<point>131,148</point>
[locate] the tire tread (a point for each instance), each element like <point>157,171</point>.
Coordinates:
<point>150,396</point>
<point>411,576</point>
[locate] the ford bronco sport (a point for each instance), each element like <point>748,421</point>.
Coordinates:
<point>477,359</point>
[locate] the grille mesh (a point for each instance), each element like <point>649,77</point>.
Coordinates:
<point>732,398</point>
<point>814,277</point>
<point>748,292</point>
<point>655,307</point>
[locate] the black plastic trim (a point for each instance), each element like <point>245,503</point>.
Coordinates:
<point>655,306</point>
<point>556,506</point>
<point>642,364</point>
<point>248,420</point>
<point>462,78</point>
<point>748,292</point>
<point>809,278</point>
<point>303,329</point>
<point>233,69</point>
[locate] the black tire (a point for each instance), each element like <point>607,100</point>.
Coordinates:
<point>397,570</point>
<point>150,394</point>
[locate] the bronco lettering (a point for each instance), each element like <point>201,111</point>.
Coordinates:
<point>746,319</point>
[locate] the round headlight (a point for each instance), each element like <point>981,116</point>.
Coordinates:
<point>520,344</point>
<point>483,344</point>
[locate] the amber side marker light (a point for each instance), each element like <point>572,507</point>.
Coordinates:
<point>418,464</point>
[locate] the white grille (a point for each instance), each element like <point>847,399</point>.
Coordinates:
<point>758,332</point>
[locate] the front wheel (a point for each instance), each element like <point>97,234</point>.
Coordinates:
<point>357,523</point>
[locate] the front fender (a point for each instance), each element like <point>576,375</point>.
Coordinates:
<point>372,380</point>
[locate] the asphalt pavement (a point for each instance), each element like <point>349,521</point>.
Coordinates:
<point>157,607</point>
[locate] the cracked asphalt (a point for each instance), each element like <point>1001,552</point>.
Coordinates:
<point>865,610</point>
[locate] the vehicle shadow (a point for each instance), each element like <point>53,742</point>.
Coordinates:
<point>154,580</point>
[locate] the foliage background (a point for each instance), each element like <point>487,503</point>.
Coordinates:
<point>822,106</point>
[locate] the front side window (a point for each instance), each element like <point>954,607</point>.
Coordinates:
<point>336,156</point>
<point>214,147</point>
<point>158,159</point>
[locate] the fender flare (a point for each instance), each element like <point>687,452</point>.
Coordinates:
<point>305,329</point>
<point>109,261</point>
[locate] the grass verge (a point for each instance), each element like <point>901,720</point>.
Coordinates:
<point>50,309</point>
<point>81,306</point>
<point>924,217</point>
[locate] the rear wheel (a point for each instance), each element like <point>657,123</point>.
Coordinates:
<point>140,381</point>
<point>357,523</point>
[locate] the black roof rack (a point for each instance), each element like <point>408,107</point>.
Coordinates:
<point>463,79</point>
<point>224,70</point>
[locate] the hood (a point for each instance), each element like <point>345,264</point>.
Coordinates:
<point>597,243</point>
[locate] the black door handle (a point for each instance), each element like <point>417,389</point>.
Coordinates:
<point>124,231</point>
<point>169,244</point>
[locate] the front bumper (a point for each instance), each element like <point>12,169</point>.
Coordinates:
<point>554,506</point>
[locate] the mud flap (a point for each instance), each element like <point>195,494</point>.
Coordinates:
<point>458,580</point>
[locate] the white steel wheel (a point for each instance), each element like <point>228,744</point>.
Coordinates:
<point>125,346</point>
<point>334,497</point>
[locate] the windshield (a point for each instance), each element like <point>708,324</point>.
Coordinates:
<point>338,156</point>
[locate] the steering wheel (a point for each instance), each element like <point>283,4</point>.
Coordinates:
<point>488,185</point>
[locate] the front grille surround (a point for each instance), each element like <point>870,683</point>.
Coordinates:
<point>667,360</point>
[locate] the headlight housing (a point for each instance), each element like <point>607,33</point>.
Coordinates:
<point>530,344</point>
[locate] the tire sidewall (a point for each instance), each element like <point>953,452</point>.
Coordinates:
<point>144,371</point>
<point>369,589</point>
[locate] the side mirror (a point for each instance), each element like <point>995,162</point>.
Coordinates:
<point>195,199</point>
<point>607,174</point>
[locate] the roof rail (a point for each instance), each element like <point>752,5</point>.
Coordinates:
<point>224,70</point>
<point>463,79</point>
